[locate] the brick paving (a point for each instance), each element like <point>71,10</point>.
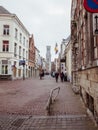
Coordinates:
<point>13,122</point>
<point>22,106</point>
<point>67,102</point>
<point>24,97</point>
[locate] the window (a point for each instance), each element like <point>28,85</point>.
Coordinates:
<point>5,29</point>
<point>5,46</point>
<point>4,66</point>
<point>26,55</point>
<point>20,52</point>
<point>23,53</point>
<point>27,44</point>
<point>20,37</point>
<point>96,47</point>
<point>16,33</point>
<point>24,41</point>
<point>15,49</point>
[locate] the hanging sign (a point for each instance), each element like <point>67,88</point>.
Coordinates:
<point>21,62</point>
<point>95,24</point>
<point>91,6</point>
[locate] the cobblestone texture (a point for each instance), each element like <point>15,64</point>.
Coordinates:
<point>13,122</point>
<point>22,106</point>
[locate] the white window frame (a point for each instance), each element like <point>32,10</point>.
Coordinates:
<point>4,67</point>
<point>6,29</point>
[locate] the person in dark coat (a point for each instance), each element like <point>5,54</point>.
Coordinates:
<point>62,76</point>
<point>56,76</point>
<point>65,76</point>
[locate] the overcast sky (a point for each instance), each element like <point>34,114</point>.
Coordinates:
<point>47,20</point>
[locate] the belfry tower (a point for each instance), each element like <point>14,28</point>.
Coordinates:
<point>48,57</point>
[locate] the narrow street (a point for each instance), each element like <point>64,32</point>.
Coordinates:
<point>23,106</point>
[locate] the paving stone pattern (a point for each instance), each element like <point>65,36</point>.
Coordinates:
<point>13,122</point>
<point>22,106</point>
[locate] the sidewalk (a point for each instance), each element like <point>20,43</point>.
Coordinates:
<point>22,106</point>
<point>67,103</point>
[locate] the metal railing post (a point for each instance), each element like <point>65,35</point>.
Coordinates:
<point>51,100</point>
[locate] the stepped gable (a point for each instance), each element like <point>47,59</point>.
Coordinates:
<point>3,10</point>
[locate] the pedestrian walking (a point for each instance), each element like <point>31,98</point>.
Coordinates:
<point>56,76</point>
<point>65,75</point>
<point>40,75</point>
<point>62,76</point>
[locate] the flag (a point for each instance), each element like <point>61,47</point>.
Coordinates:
<point>56,48</point>
<point>91,6</point>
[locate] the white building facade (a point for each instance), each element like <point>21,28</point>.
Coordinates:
<point>62,54</point>
<point>14,43</point>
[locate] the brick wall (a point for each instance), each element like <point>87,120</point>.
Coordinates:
<point>88,80</point>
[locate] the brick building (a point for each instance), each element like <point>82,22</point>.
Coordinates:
<point>31,56</point>
<point>85,55</point>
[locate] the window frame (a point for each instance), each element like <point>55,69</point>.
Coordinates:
<point>5,46</point>
<point>6,30</point>
<point>4,67</point>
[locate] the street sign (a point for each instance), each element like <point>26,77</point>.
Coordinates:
<point>22,62</point>
<point>95,24</point>
<point>91,6</point>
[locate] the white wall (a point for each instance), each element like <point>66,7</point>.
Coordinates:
<point>13,22</point>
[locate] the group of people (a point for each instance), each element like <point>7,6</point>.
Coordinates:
<point>63,76</point>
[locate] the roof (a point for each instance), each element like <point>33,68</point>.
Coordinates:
<point>3,10</point>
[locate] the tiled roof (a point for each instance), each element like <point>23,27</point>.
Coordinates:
<point>3,10</point>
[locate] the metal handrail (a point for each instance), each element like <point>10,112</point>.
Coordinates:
<point>51,99</point>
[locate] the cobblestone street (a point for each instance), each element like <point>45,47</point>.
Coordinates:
<point>17,122</point>
<point>23,106</point>
<point>49,65</point>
